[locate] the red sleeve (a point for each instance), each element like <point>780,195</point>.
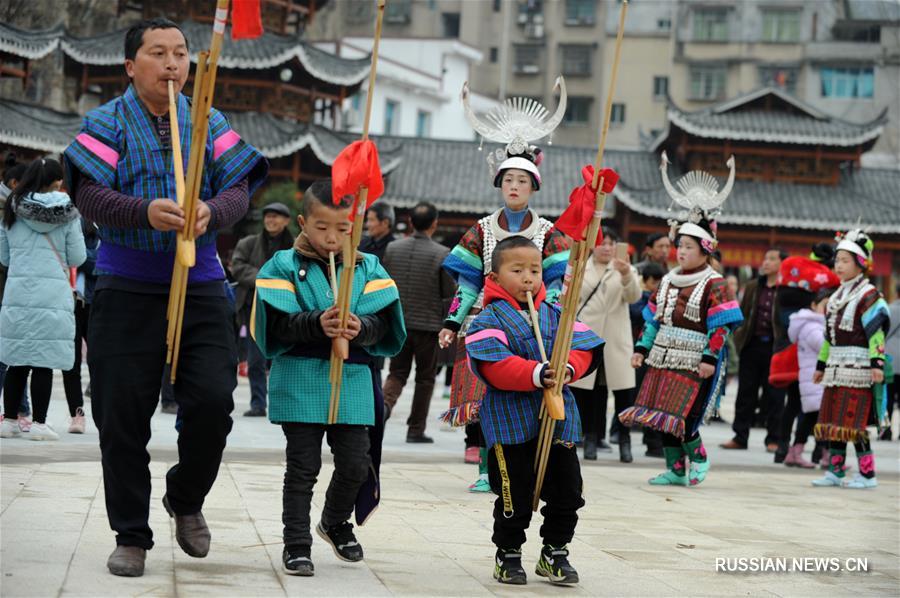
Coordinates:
<point>581,361</point>
<point>513,373</point>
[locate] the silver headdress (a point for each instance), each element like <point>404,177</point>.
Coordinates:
<point>517,122</point>
<point>698,193</point>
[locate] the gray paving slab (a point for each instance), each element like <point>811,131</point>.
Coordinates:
<point>432,538</point>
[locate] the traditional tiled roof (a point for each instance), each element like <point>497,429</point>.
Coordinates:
<point>276,138</point>
<point>267,51</point>
<point>36,127</point>
<point>32,45</point>
<point>454,176</point>
<point>805,125</point>
<point>45,130</point>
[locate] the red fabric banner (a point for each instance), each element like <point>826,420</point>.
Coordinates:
<point>575,220</point>
<point>355,166</point>
<point>246,19</point>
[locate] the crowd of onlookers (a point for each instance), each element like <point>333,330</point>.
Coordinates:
<point>48,251</point>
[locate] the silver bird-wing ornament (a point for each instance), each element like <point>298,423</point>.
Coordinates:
<point>697,190</point>
<point>517,121</point>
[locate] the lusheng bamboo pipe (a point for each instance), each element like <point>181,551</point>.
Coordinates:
<point>340,347</point>
<point>580,253</point>
<point>185,252</point>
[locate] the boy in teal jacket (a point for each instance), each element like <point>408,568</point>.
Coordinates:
<point>294,322</point>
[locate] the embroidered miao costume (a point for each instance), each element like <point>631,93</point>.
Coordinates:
<point>856,320</point>
<point>687,324</point>
<point>469,262</point>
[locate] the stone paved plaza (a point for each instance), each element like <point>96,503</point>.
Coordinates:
<point>432,538</point>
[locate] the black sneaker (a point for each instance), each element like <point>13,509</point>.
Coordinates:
<point>554,565</point>
<point>296,561</point>
<point>342,540</point>
<point>508,567</point>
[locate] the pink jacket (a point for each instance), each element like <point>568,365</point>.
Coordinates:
<point>807,329</point>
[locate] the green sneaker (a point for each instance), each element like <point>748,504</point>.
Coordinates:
<point>554,565</point>
<point>508,567</point>
<point>481,484</point>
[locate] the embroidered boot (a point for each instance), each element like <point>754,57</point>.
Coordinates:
<point>675,475</point>
<point>835,474</point>
<point>696,452</point>
<point>866,476</point>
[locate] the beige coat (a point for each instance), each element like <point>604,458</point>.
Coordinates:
<point>607,314</point>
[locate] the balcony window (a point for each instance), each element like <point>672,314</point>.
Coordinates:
<point>576,60</point>
<point>391,117</point>
<point>527,59</point>
<point>660,87</point>
<point>423,124</point>
<point>781,26</point>
<point>710,25</point>
<point>578,111</point>
<point>617,116</point>
<point>707,83</point>
<point>398,12</point>
<point>450,24</point>
<point>580,12</point>
<point>848,82</point>
<point>782,77</point>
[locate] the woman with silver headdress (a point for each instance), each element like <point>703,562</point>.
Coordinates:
<point>515,172</point>
<point>683,341</point>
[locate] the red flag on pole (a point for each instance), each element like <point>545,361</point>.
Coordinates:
<point>246,20</point>
<point>355,166</point>
<point>575,220</point>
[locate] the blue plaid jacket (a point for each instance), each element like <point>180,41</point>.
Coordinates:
<point>501,331</point>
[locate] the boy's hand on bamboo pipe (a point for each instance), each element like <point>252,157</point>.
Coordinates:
<point>548,377</point>
<point>202,222</point>
<point>353,327</point>
<point>165,215</point>
<point>330,321</point>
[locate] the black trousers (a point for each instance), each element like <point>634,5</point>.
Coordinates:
<point>72,378</point>
<point>422,346</point>
<point>14,386</point>
<point>793,410</point>
<point>592,407</point>
<point>127,337</point>
<point>512,477</point>
<point>753,375</point>
<point>350,447</point>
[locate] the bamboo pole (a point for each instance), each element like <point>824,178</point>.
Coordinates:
<point>340,347</point>
<point>578,257</point>
<point>186,252</point>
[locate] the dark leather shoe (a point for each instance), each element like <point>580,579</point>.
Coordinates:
<point>421,439</point>
<point>191,532</point>
<point>127,561</point>
<point>625,452</point>
<point>733,445</point>
<point>590,447</point>
<point>255,413</point>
